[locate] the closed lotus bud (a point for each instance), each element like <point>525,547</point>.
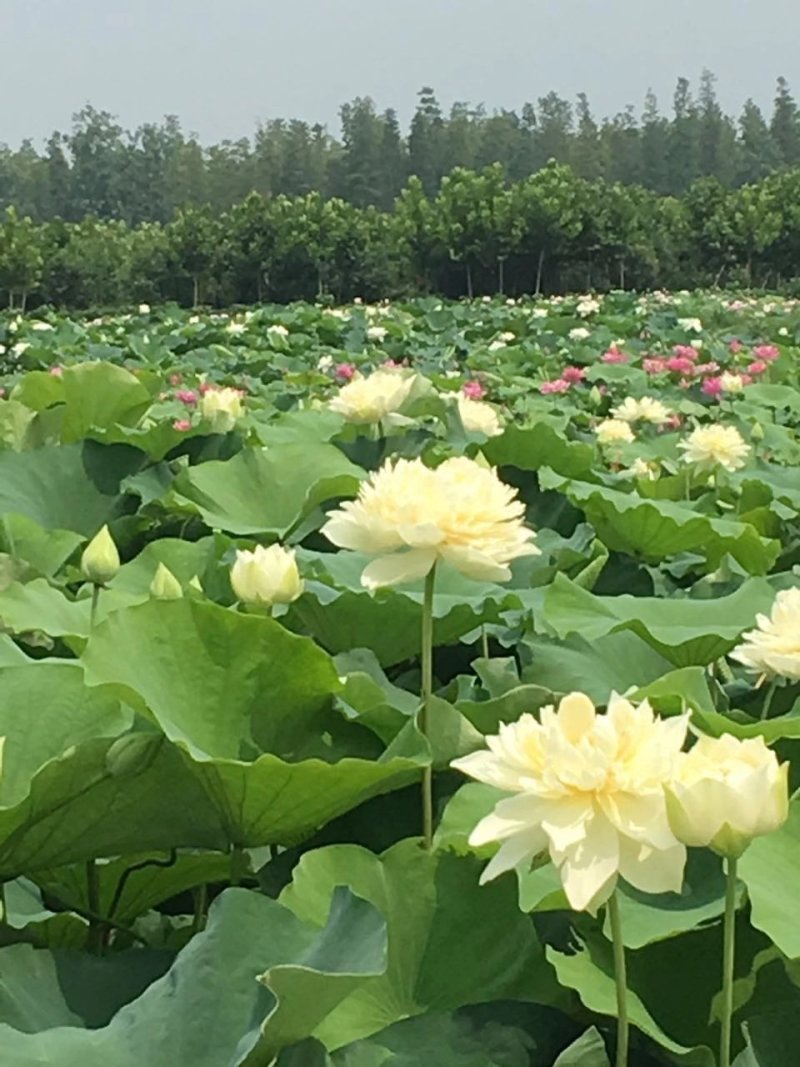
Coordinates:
<point>266,576</point>
<point>100,560</point>
<point>725,792</point>
<point>757,433</point>
<point>595,396</point>
<point>165,586</point>
<point>194,583</point>
<point>222,407</point>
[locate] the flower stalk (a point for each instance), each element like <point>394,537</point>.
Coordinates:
<point>620,980</point>
<point>728,958</point>
<point>425,696</point>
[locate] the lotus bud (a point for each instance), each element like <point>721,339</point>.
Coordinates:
<point>100,560</point>
<point>266,576</point>
<point>725,792</point>
<point>165,586</point>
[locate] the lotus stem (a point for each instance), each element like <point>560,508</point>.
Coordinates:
<point>93,611</point>
<point>95,934</point>
<point>484,643</point>
<point>427,689</point>
<point>728,955</point>
<point>773,686</point>
<point>620,978</point>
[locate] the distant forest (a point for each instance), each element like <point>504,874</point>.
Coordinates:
<point>146,175</point>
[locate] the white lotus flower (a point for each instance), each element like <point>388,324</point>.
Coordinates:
<point>372,399</point>
<point>773,648</point>
<point>715,445</point>
<point>411,516</point>
<point>589,790</point>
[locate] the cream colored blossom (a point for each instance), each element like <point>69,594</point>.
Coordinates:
<point>715,445</point>
<point>645,409</point>
<point>773,648</point>
<point>589,791</point>
<point>373,399</point>
<point>222,407</point>
<point>731,383</point>
<point>411,516</point>
<point>613,431</point>
<point>579,333</point>
<point>478,417</point>
<point>266,576</point>
<point>694,325</point>
<point>727,791</point>
<point>165,586</point>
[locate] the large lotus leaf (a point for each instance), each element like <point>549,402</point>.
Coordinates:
<point>532,447</point>
<point>656,529</point>
<point>45,709</point>
<point>613,663</point>
<point>451,942</point>
<point>209,1010</point>
<point>185,559</point>
<point>15,418</point>
<point>266,491</point>
<point>67,487</point>
<point>342,615</point>
<point>441,1041</point>
<point>39,390</point>
<point>770,868</point>
<point>147,880</point>
<point>44,550</point>
<point>224,684</point>
<point>37,605</point>
<point>40,990</point>
<point>251,705</point>
<point>590,973</point>
<point>106,798</point>
<point>685,631</point>
<point>98,395</point>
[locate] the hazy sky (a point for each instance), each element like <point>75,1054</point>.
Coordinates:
<point>221,65</point>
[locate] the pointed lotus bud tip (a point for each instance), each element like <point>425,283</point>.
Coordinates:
<point>194,583</point>
<point>165,586</point>
<point>100,560</point>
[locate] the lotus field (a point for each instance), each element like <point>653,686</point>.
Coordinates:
<point>414,684</point>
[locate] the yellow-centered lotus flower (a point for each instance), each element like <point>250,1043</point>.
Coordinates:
<point>725,792</point>
<point>773,648</point>
<point>711,446</point>
<point>100,559</point>
<point>478,417</point>
<point>410,516</point>
<point>646,409</point>
<point>266,576</point>
<point>222,407</point>
<point>613,431</point>
<point>375,398</point>
<point>589,790</point>
<point>165,586</point>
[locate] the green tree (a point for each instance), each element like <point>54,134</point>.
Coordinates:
<point>21,257</point>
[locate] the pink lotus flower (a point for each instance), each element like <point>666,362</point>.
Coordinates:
<point>767,352</point>
<point>206,387</point>
<point>556,386</point>
<point>187,396</point>
<point>654,365</point>
<point>181,424</point>
<point>735,346</point>
<point>685,352</point>
<point>613,355</point>
<point>736,305</point>
<point>176,378</point>
<point>680,365</point>
<point>344,372</point>
<point>706,368</point>
<point>673,421</point>
<point>758,366</point>
<point>473,390</point>
<point>2,391</point>
<point>712,386</point>
<point>56,370</point>
<point>573,374</point>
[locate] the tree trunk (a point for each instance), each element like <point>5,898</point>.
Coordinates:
<point>259,289</point>
<point>539,266</point>
<point>622,274</point>
<point>24,300</point>
<point>195,290</point>
<point>501,264</point>
<point>469,281</point>
<point>10,300</point>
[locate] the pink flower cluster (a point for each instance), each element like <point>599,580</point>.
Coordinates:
<point>473,390</point>
<point>187,397</point>
<point>614,355</point>
<point>344,372</point>
<point>558,385</point>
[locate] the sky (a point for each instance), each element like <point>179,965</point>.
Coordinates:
<point>222,66</point>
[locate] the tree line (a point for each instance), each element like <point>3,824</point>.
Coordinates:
<point>479,233</point>
<point>146,175</point>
